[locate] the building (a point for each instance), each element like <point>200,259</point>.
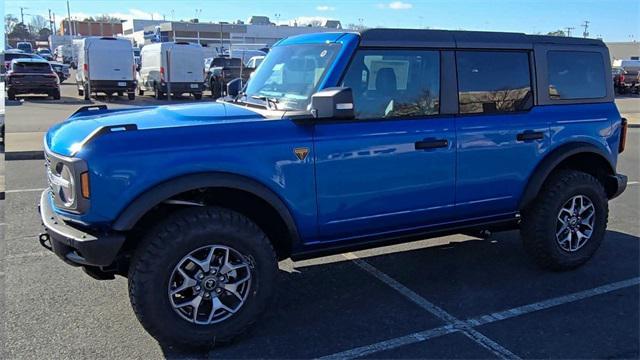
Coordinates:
<point>135,25</point>
<point>89,28</point>
<point>624,50</point>
<point>248,36</point>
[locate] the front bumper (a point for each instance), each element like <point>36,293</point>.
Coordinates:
<point>618,183</point>
<point>75,246</point>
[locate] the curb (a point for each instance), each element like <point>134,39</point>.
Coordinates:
<point>633,125</point>
<point>24,155</point>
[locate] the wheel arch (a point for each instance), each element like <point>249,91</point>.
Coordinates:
<point>254,195</point>
<point>581,156</point>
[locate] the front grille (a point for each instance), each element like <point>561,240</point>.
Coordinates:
<point>48,173</point>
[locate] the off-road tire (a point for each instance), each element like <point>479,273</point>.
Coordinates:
<point>171,240</point>
<point>538,229</point>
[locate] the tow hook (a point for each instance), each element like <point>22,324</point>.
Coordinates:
<point>45,241</point>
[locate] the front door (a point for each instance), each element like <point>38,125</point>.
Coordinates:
<point>393,167</point>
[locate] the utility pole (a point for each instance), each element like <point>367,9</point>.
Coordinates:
<point>22,9</point>
<point>569,30</point>
<point>585,25</point>
<point>69,19</point>
<point>50,22</point>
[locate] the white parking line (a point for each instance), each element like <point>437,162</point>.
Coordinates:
<point>438,312</point>
<point>23,190</point>
<point>482,320</point>
<point>630,183</point>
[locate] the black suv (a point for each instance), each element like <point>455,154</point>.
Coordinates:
<point>32,76</point>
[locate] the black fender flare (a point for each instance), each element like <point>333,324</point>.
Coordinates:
<point>551,161</point>
<point>161,192</point>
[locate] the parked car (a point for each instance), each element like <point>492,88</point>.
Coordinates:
<point>254,62</point>
<point>221,71</point>
<point>31,76</point>
<point>25,46</point>
<point>339,141</point>
<point>105,65</point>
<point>626,81</point>
<point>43,51</point>
<point>62,70</point>
<point>177,66</point>
<point>245,54</point>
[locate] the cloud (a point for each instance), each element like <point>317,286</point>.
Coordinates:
<point>396,5</point>
<point>132,14</point>
<point>304,21</point>
<point>325,8</point>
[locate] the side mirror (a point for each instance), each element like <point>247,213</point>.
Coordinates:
<point>333,103</point>
<point>233,87</point>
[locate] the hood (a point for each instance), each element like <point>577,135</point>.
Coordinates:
<point>67,137</point>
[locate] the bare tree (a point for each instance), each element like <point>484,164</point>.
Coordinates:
<point>37,23</point>
<point>108,19</point>
<point>10,22</point>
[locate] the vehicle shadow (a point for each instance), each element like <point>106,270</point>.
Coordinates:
<point>326,308</point>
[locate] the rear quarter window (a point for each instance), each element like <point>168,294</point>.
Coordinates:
<point>576,75</point>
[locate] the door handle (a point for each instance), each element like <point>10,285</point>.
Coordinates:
<point>427,144</point>
<point>530,136</point>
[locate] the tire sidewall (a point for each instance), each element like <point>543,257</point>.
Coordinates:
<point>588,249</point>
<point>155,301</point>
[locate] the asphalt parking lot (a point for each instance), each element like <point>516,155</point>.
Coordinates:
<point>451,297</point>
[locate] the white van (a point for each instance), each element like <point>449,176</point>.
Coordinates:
<point>177,66</point>
<point>105,64</point>
<point>63,54</point>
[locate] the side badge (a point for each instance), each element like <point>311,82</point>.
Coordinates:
<point>301,153</point>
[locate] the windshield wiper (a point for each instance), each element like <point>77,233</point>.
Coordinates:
<point>267,99</point>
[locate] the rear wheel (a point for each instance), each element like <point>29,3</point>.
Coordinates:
<point>197,96</point>
<point>201,277</point>
<point>11,94</point>
<point>131,95</point>
<point>567,222</point>
<point>157,93</point>
<point>56,94</point>
<point>85,92</point>
<point>140,92</point>
<point>120,93</point>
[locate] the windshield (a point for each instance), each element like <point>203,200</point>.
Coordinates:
<point>290,74</point>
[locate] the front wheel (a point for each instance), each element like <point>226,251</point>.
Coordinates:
<point>202,276</point>
<point>567,222</point>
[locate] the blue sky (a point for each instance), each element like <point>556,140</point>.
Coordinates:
<point>613,20</point>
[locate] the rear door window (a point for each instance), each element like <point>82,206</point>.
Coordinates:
<point>494,81</point>
<point>35,68</point>
<point>576,75</point>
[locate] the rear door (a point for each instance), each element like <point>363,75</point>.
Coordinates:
<point>393,167</point>
<point>110,59</point>
<point>186,64</point>
<point>501,135</point>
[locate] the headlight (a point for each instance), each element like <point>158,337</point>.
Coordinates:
<point>64,185</point>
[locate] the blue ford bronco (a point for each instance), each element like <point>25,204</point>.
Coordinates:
<point>338,141</point>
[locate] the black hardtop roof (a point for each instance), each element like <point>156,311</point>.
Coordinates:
<point>464,39</point>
